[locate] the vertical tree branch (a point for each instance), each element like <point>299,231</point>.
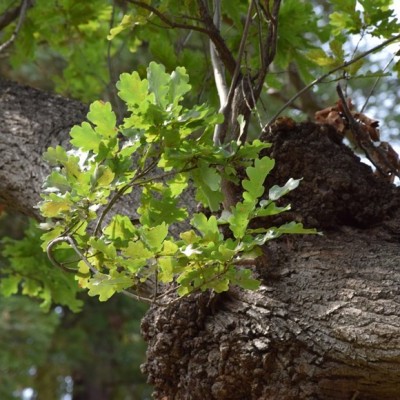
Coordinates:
<point>218,70</point>
<point>270,43</point>
<point>227,109</point>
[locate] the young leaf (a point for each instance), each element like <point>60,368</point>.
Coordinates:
<point>133,90</point>
<point>104,119</point>
<point>257,174</point>
<point>85,137</point>
<point>155,236</point>
<point>276,192</point>
<point>158,83</point>
<point>207,227</point>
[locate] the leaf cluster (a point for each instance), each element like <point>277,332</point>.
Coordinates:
<point>160,150</point>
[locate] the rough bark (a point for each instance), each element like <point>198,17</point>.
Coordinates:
<point>326,322</point>
<point>30,122</point>
<point>324,325</point>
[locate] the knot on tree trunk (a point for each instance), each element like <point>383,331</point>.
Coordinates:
<point>336,188</point>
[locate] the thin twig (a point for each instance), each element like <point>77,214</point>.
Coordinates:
<point>137,297</point>
<point>74,246</point>
<point>372,152</point>
<point>375,85</point>
<point>210,30</point>
<point>70,240</point>
<point>254,102</point>
<point>22,14</point>
<point>321,78</point>
<point>135,182</point>
<point>270,44</point>
<point>167,21</point>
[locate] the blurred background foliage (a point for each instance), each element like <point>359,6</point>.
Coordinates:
<point>62,46</point>
<point>91,355</point>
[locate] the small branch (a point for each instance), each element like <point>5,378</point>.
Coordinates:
<point>166,20</point>
<point>135,182</point>
<point>137,297</point>
<point>375,85</point>
<point>268,55</point>
<point>321,78</point>
<point>111,72</point>
<point>8,17</point>
<point>74,246</point>
<point>308,101</point>
<point>211,31</point>
<point>374,153</point>
<point>22,14</point>
<point>241,51</point>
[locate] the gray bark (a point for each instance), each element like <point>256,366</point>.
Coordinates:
<point>325,323</point>
<point>30,122</point>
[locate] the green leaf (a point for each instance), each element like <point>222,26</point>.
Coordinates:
<point>210,198</point>
<point>295,228</point>
<point>105,286</point>
<point>268,208</point>
<point>137,250</point>
<point>108,249</point>
<point>104,119</point>
<point>207,227</point>
<point>126,23</point>
<point>276,192</point>
<point>244,279</point>
<point>257,174</point>
<point>158,83</point>
<point>102,176</point>
<point>321,58</point>
<point>167,267</point>
<point>56,182</point>
<point>55,205</point>
<point>251,150</point>
<point>85,137</point>
<point>210,176</point>
<point>155,236</point>
<point>219,285</point>
<point>55,156</point>
<point>179,85</point>
<point>9,285</point>
<point>240,218</point>
<point>133,90</point>
<point>120,229</point>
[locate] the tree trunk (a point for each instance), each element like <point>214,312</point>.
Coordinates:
<point>325,323</point>
<point>30,122</point>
